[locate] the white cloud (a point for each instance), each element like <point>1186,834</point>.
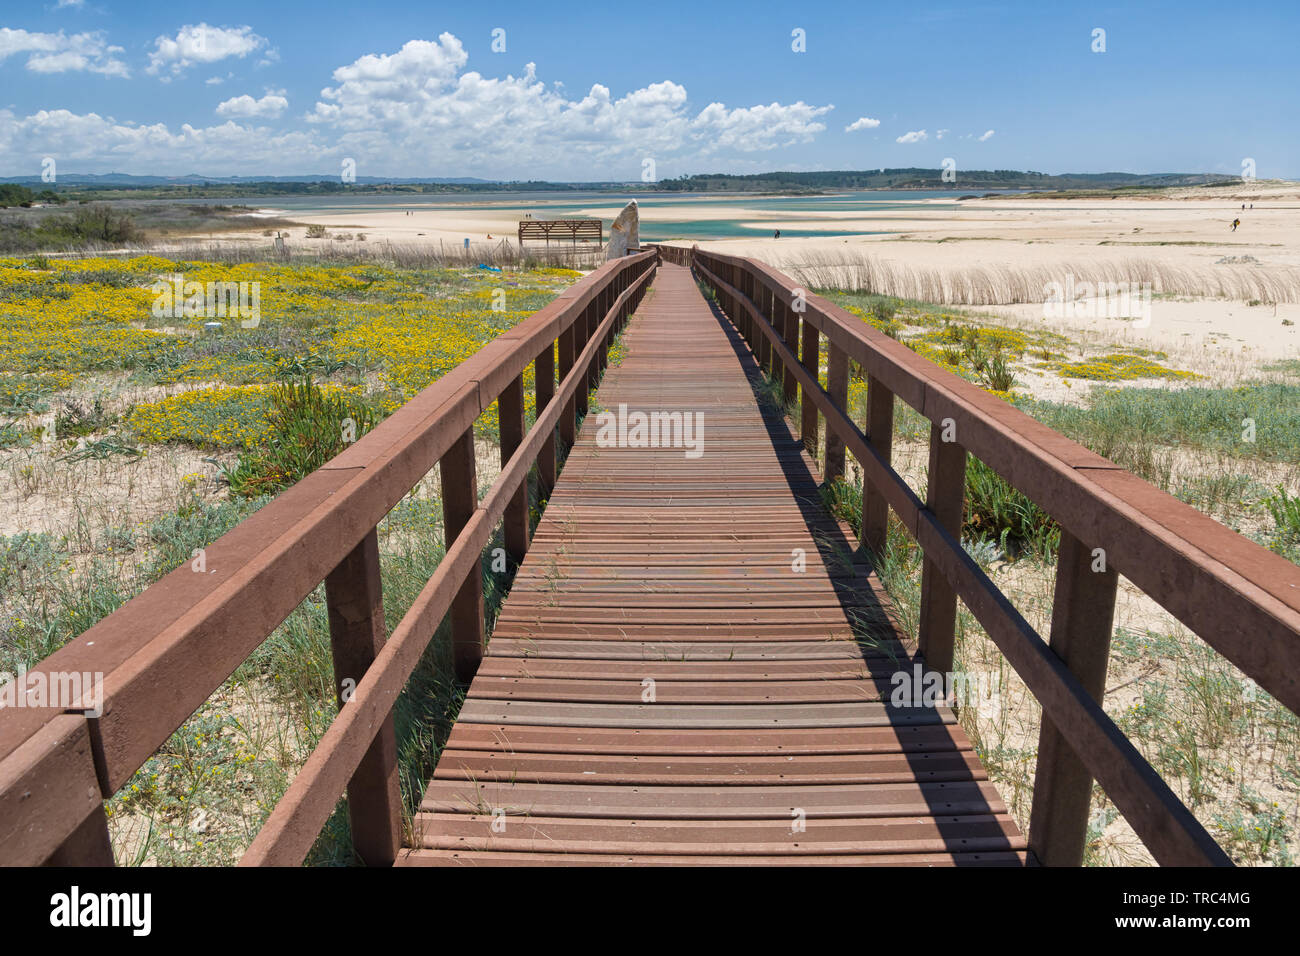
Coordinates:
<point>758,127</point>
<point>270,106</point>
<point>61,53</point>
<point>92,140</point>
<point>419,102</point>
<point>862,122</point>
<point>75,4</point>
<point>915,136</point>
<point>200,43</point>
<point>986,136</point>
<point>940,134</point>
<point>420,111</point>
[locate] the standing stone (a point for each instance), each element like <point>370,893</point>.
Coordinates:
<point>623,233</point>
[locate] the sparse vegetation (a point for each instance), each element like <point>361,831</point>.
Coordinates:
<point>147,416</point>
<point>308,427</point>
<point>1229,750</point>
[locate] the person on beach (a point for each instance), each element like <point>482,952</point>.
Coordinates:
<point>1235,224</point>
<point>778,234</point>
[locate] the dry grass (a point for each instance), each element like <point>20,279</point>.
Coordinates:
<point>1012,284</point>
<point>327,251</point>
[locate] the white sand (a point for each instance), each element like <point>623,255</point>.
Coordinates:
<point>1185,229</point>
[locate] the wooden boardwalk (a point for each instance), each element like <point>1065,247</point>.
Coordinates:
<point>663,686</point>
<point>692,666</point>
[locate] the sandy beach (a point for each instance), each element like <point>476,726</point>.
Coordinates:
<point>1183,236</point>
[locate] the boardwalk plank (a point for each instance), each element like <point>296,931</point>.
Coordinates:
<point>692,666</point>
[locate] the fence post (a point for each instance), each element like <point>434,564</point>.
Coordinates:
<point>790,335</point>
<point>742,315</point>
<point>944,497</point>
<point>763,302</point>
<point>880,432</point>
<point>514,522</point>
<point>459,499</point>
<point>738,315</point>
<point>544,383</point>
<point>599,363</point>
<point>763,346</point>
<point>88,845</point>
<point>810,359</point>
<point>582,331</point>
<point>568,420</point>
<point>1083,612</point>
<point>837,387</point>
<point>355,602</point>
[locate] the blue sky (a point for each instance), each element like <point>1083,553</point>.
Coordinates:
<point>591,91</point>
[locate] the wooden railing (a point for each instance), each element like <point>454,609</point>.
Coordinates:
<point>1243,600</point>
<point>165,652</point>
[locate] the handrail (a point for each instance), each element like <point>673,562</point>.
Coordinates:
<point>168,649</point>
<point>288,834</point>
<point>1239,597</point>
<point>163,653</point>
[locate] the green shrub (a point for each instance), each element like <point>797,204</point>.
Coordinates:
<point>997,512</point>
<point>1285,511</point>
<point>24,557</point>
<point>308,427</point>
<point>76,420</point>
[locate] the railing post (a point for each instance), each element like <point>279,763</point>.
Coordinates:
<point>945,497</point>
<point>599,364</point>
<point>768,310</point>
<point>582,331</point>
<point>790,335</point>
<point>741,317</point>
<point>459,500</point>
<point>810,359</point>
<point>758,340</point>
<point>514,522</point>
<point>1083,612</point>
<point>777,317</point>
<point>568,354</point>
<point>742,314</point>
<point>88,845</point>
<point>880,432</point>
<point>728,275</point>
<point>544,383</point>
<point>355,602</point>
<point>837,387</point>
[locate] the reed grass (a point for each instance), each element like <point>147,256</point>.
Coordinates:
<point>1010,284</point>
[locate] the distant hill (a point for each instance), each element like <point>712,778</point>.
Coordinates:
<point>915,178</point>
<point>197,179</point>
<point>87,186</point>
<point>90,186</point>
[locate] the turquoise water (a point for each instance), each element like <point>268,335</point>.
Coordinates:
<point>549,205</point>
